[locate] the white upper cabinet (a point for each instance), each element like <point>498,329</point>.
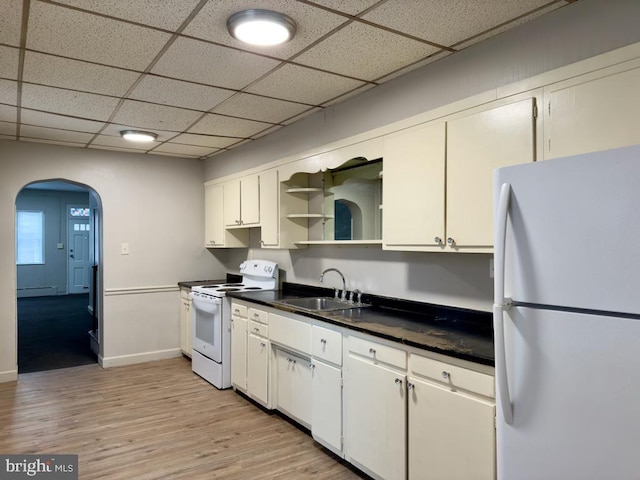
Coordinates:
<point>242,202</point>
<point>593,112</point>
<point>476,145</point>
<point>269,209</point>
<point>216,236</point>
<point>414,187</point>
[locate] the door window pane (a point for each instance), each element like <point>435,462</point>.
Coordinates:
<point>29,237</point>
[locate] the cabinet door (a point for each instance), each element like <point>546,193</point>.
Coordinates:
<point>375,414</point>
<point>293,386</point>
<point>232,216</point>
<point>414,187</point>
<point>185,322</point>
<point>269,208</point>
<point>213,215</point>
<point>476,145</point>
<point>239,352</point>
<point>326,405</point>
<point>591,113</point>
<point>250,200</point>
<point>258,368</point>
<point>451,435</point>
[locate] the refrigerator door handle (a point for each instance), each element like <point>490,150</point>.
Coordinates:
<point>501,303</point>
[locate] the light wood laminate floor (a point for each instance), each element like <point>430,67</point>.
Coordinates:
<point>155,420</point>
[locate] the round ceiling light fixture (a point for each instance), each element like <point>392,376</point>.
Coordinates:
<point>138,136</point>
<point>261,27</point>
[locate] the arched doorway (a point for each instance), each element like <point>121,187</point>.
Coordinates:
<point>59,270</point>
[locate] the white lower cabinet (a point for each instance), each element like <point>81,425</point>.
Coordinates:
<point>293,386</point>
<point>185,321</point>
<point>451,429</point>
<point>375,411</point>
<point>239,347</point>
<point>258,368</point>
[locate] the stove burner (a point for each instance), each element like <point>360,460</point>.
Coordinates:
<point>232,285</point>
<point>253,288</point>
<point>228,289</point>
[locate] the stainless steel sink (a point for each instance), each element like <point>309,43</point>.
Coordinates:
<point>320,304</point>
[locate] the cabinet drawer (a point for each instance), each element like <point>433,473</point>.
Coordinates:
<point>290,333</point>
<point>258,315</point>
<point>326,344</point>
<point>239,310</point>
<point>378,352</point>
<point>453,376</point>
<point>259,329</point>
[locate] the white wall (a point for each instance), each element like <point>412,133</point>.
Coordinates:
<point>573,33</point>
<point>154,203</point>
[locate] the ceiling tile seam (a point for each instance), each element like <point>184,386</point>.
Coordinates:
<point>507,22</point>
<point>26,5</point>
<point>327,104</point>
<point>153,62</point>
<point>358,18</point>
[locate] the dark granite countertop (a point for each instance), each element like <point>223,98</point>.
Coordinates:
<point>456,332</point>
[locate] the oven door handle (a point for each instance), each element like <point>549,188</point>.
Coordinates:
<point>209,305</point>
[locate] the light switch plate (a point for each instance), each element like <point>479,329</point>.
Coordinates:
<point>124,248</point>
<point>60,246</point>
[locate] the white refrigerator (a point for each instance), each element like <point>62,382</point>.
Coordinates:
<point>567,317</point>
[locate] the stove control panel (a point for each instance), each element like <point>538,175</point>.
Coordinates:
<point>259,268</point>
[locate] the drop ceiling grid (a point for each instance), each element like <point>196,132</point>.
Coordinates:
<point>206,92</point>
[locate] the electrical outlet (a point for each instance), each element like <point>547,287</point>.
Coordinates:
<point>124,248</point>
<point>491,270</point>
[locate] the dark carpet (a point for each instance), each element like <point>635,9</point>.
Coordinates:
<point>53,333</point>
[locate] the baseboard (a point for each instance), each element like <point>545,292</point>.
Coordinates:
<point>9,376</point>
<point>108,362</point>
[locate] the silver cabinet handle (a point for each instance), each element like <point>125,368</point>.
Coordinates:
<point>409,386</point>
<point>312,366</point>
<point>256,315</point>
<point>256,329</point>
<point>236,311</point>
<point>451,241</point>
<point>372,351</point>
<point>323,341</point>
<point>446,375</point>
<point>262,344</point>
<point>398,381</point>
<point>438,240</point>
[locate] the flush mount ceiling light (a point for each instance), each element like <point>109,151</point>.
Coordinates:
<point>138,136</point>
<point>261,27</point>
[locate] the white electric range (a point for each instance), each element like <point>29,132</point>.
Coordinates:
<point>211,317</point>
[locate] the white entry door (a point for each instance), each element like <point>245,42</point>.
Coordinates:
<point>78,261</point>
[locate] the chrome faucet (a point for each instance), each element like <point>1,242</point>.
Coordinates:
<point>344,282</point>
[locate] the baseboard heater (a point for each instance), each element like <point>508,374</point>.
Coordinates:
<point>37,291</point>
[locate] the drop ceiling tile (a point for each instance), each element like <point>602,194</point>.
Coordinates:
<point>68,102</point>
<point>178,93</point>
<point>507,26</point>
<point>9,58</point>
<point>42,133</point>
<point>178,149</point>
<point>9,92</point>
<point>149,116</point>
<point>312,23</point>
<point>41,119</point>
<point>119,142</point>
<point>259,108</point>
<point>292,82</point>
<point>8,129</point>
<point>76,75</point>
<point>167,14</point>
<point>201,62</point>
<point>366,52</point>
<point>11,22</point>
<point>8,114</point>
<point>84,36</point>
<point>213,124</point>
<point>204,140</point>
<point>414,66</point>
<point>352,7</point>
<point>445,22</point>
